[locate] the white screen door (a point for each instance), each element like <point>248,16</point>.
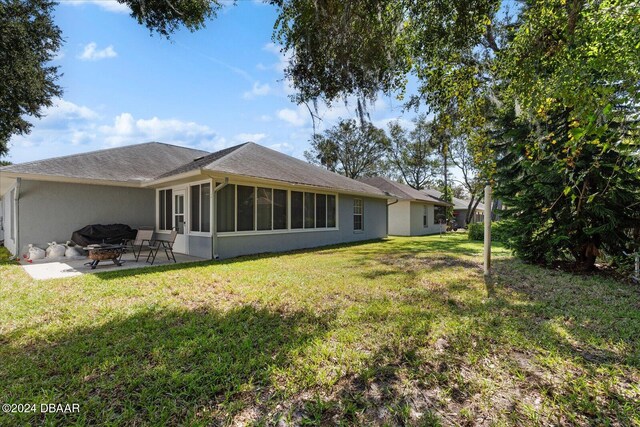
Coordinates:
<point>179,219</point>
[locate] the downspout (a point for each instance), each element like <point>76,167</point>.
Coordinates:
<point>16,212</point>
<point>214,226</point>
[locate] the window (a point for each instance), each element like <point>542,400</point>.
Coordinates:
<point>165,210</point>
<point>279,209</point>
<point>297,203</point>
<point>200,207</point>
<point>245,207</point>
<point>225,208</point>
<point>425,216</point>
<point>331,211</point>
<point>439,214</point>
<point>321,210</point>
<point>309,210</point>
<point>358,211</point>
<point>264,208</point>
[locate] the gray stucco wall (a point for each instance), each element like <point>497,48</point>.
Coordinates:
<point>52,211</point>
<point>200,246</point>
<point>375,227</point>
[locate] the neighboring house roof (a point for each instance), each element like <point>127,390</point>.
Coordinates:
<point>131,163</point>
<point>458,204</point>
<point>402,191</point>
<point>154,162</point>
<point>255,161</point>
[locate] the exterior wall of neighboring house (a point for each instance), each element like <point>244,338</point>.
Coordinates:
<point>406,218</point>
<point>461,216</point>
<point>400,218</point>
<point>417,219</point>
<point>52,211</point>
<point>374,227</point>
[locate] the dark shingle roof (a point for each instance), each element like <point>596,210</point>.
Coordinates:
<point>148,162</point>
<point>402,191</point>
<point>457,203</point>
<point>255,161</point>
<point>131,163</point>
<point>200,162</point>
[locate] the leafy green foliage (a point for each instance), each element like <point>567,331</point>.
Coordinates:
<point>342,48</point>
<point>569,161</point>
<point>350,149</point>
<point>499,231</point>
<point>166,16</point>
<point>29,40</point>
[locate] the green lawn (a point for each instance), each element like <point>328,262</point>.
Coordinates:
<point>397,332</point>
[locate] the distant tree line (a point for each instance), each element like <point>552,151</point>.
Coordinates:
<point>421,156</point>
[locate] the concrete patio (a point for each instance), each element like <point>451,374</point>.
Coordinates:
<point>58,268</point>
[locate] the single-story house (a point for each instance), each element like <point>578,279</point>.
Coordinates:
<point>460,208</point>
<point>415,213</point>
<point>242,200</point>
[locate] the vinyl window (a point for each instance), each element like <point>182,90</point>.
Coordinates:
<point>165,210</point>
<point>201,208</point>
<point>358,215</point>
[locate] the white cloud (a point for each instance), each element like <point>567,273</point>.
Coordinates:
<point>257,90</point>
<point>293,117</point>
<point>108,5</point>
<point>69,128</point>
<point>127,130</point>
<point>66,110</point>
<point>91,53</point>
<point>253,137</point>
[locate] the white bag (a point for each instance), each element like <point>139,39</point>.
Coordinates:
<point>35,253</point>
<point>55,250</point>
<point>73,251</point>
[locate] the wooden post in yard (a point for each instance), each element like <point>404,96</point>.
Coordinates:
<point>487,230</point>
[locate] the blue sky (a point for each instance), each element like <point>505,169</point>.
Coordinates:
<point>210,89</point>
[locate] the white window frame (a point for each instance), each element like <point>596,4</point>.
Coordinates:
<point>361,229</point>
<point>425,216</point>
<point>255,230</point>
<point>158,229</point>
<point>188,208</point>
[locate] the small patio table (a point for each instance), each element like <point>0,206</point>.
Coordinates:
<point>103,252</point>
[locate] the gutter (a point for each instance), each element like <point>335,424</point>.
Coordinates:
<point>16,213</point>
<point>214,226</point>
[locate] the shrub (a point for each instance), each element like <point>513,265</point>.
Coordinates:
<point>499,231</point>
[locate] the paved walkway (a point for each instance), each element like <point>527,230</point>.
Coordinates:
<point>43,269</point>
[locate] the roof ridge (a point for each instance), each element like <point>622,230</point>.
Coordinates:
<point>95,152</point>
<point>203,160</point>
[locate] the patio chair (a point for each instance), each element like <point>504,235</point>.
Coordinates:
<point>165,244</point>
<point>142,241</point>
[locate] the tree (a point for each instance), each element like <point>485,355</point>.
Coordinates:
<point>166,16</point>
<point>349,148</point>
<point>569,170</point>
<point>412,153</point>
<point>29,39</point>
<point>472,179</point>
